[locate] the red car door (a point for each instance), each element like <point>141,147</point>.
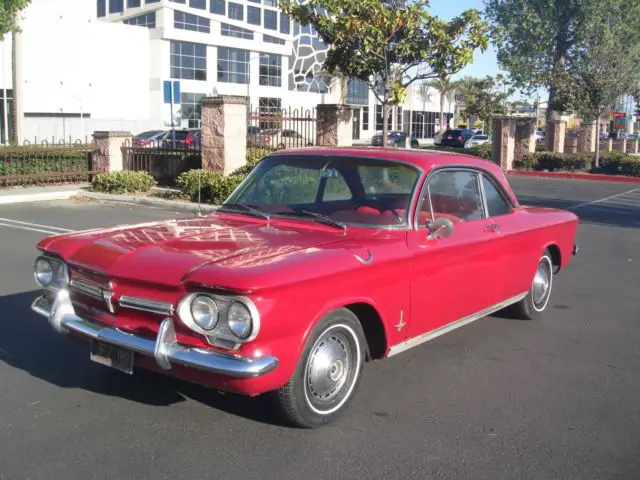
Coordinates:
<point>460,275</point>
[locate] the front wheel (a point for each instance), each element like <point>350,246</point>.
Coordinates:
<point>328,372</point>
<point>535,303</point>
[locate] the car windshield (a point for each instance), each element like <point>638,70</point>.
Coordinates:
<point>339,190</point>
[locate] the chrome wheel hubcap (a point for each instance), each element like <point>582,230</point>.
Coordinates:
<point>541,284</point>
<point>329,367</point>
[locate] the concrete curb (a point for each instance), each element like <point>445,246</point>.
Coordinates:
<point>38,197</point>
<point>575,176</point>
<point>134,200</point>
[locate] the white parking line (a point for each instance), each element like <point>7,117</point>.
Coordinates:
<point>32,227</point>
<point>49,227</point>
<point>594,202</point>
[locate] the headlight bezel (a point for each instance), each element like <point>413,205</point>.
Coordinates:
<point>58,267</point>
<point>221,335</point>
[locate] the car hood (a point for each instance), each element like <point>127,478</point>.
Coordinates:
<point>216,248</point>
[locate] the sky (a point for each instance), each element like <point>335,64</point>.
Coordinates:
<point>484,63</point>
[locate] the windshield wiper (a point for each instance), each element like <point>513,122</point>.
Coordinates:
<point>318,216</point>
<point>246,207</point>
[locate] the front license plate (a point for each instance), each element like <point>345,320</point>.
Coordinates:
<point>112,356</point>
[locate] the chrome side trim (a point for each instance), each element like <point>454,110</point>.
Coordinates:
<point>164,349</point>
<point>87,288</point>
<point>146,305</point>
<point>425,337</point>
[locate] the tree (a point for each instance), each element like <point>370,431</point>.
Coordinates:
<point>444,86</point>
<point>389,46</point>
<point>9,23</point>
<point>607,68</point>
<point>486,97</point>
<point>537,40</point>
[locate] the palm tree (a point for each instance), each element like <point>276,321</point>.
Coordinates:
<point>444,86</point>
<point>463,88</point>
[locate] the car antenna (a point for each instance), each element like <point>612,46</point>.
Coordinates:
<point>199,192</point>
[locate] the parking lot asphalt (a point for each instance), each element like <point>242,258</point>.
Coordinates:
<point>556,398</point>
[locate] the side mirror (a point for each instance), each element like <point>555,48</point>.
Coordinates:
<point>441,227</point>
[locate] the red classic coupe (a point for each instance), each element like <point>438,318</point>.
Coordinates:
<point>322,259</point>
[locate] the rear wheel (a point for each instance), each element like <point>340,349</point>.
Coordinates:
<point>328,372</point>
<point>535,303</point>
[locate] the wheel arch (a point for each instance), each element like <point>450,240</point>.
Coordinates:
<point>556,256</point>
<point>370,319</point>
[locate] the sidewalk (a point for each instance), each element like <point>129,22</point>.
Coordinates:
<point>40,194</point>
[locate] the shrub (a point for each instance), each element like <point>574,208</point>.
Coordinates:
<point>123,182</point>
<point>214,187</point>
<point>614,162</point>
<point>482,151</point>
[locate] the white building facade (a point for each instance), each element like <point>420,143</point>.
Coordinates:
<point>102,65</point>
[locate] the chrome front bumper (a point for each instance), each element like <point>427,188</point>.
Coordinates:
<point>164,349</point>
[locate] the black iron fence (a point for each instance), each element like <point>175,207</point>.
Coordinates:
<point>164,164</point>
<point>281,128</point>
<point>46,163</point>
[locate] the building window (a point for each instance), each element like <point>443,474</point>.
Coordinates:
<point>270,20</point>
<point>237,32</point>
<point>365,118</point>
<point>285,23</point>
<point>269,39</point>
<point>269,107</point>
<point>191,108</point>
<point>199,4</point>
<point>236,11</point>
<point>188,60</point>
<point>357,92</point>
<point>183,2</point>
<point>116,6</point>
<point>399,122</point>
<point>254,1</point>
<point>133,3</point>
<point>147,20</point>
<point>270,70</point>
<point>218,7</point>
<point>5,130</point>
<point>253,15</point>
<point>187,21</point>
<point>379,122</point>
<point>233,65</point>
<point>102,8</point>
<point>146,2</point>
<point>271,3</point>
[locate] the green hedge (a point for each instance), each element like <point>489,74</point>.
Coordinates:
<point>39,165</point>
<point>482,151</point>
<point>612,163</point>
<point>123,182</point>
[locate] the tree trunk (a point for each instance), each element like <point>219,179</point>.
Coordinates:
<point>596,162</point>
<point>13,121</point>
<point>385,114</point>
<point>441,111</point>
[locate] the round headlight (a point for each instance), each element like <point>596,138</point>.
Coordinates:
<point>239,320</point>
<point>204,311</point>
<point>44,272</point>
<point>62,277</point>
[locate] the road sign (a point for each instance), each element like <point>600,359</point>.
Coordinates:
<point>171,91</point>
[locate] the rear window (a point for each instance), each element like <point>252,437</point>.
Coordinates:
<point>148,134</point>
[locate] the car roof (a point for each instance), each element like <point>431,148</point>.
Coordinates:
<point>425,159</point>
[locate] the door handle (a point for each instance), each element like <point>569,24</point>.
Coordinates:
<point>493,228</point>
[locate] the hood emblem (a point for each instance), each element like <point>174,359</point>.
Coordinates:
<point>107,295</point>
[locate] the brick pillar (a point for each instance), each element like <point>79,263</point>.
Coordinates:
<point>108,155</point>
<point>610,144</point>
<point>558,134</point>
<point>334,125</point>
<point>525,136</point>
<point>223,141</point>
<point>635,145</point>
<point>624,145</point>
<point>503,142</point>
<point>588,137</point>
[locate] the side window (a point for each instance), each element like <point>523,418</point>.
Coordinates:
<point>336,188</point>
<point>454,194</point>
<point>496,203</point>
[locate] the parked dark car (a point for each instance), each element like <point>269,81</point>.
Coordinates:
<point>395,139</point>
<point>188,138</point>
<point>456,137</point>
